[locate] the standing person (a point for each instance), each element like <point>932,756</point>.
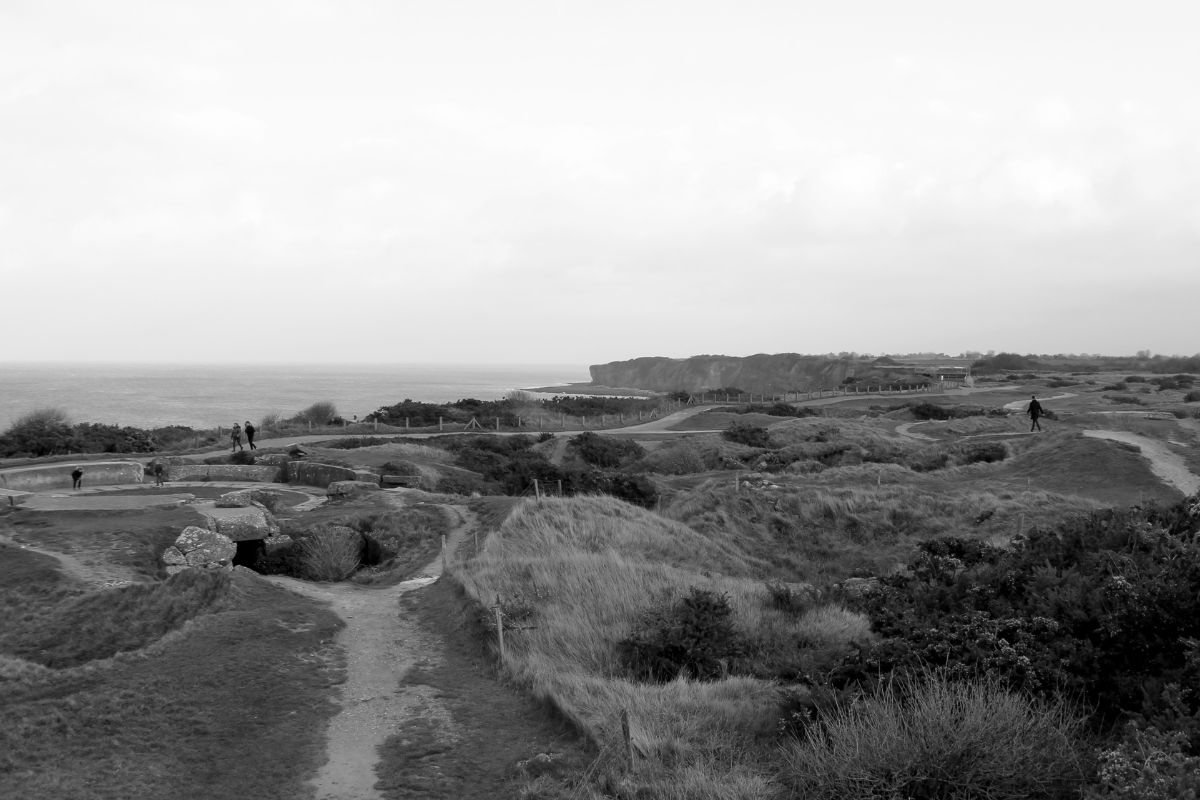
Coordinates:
<point>158,474</point>
<point>250,431</point>
<point>235,436</point>
<point>76,478</point>
<point>1034,411</point>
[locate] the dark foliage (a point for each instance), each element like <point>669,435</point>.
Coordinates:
<point>606,451</point>
<point>752,435</point>
<point>1105,609</point>
<point>693,636</point>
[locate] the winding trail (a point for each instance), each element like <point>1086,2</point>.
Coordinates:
<point>381,647</point>
<point>1164,463</point>
<point>905,429</point>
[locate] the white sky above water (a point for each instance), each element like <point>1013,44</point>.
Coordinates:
<point>580,182</point>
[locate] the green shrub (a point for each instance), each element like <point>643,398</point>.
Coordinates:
<point>1126,399</point>
<point>750,435</point>
<point>693,637</point>
<point>1106,608</point>
<point>606,451</point>
<point>330,553</point>
<point>1147,764</point>
<point>43,432</point>
<point>936,739</point>
<point>1192,397</point>
<point>981,452</point>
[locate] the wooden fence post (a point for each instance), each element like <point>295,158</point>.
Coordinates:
<point>500,628</point>
<point>443,552</point>
<point>626,738</point>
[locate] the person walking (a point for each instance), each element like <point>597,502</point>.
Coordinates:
<point>76,478</point>
<point>235,436</point>
<point>250,431</point>
<point>158,474</point>
<point>1034,411</point>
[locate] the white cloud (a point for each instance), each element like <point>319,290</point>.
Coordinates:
<point>222,124</point>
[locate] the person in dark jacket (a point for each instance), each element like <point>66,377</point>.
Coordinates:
<point>249,430</point>
<point>1034,411</point>
<point>76,478</point>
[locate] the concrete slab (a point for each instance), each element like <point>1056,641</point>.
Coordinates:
<point>94,501</point>
<point>14,497</point>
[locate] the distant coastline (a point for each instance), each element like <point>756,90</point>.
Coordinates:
<point>590,390</point>
<point>203,396</point>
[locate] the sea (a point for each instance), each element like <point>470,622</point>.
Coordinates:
<point>205,396</point>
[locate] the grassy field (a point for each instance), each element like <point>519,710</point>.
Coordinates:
<point>228,703</point>
<point>211,686</point>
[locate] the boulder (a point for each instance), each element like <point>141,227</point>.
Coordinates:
<point>199,548</point>
<point>239,524</point>
<point>345,489</point>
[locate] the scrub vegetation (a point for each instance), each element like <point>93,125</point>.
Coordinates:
<point>905,600</point>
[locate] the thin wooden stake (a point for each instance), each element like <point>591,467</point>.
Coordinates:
<point>500,629</point>
<point>443,552</point>
<point>625,737</point>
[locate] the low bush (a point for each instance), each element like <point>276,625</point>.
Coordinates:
<point>1147,764</point>
<point>1192,397</point>
<point>692,637</point>
<point>1125,399</point>
<point>933,411</point>
<point>330,553</point>
<point>1106,608</point>
<point>606,451</point>
<point>750,435</point>
<point>935,738</point>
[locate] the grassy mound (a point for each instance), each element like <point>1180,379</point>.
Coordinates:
<point>573,578</point>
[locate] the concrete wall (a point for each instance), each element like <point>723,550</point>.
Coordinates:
<point>310,473</point>
<point>58,476</point>
<point>222,472</point>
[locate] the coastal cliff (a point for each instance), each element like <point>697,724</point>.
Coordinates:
<point>779,372</point>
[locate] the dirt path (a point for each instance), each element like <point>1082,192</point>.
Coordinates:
<point>905,429</point>
<point>1164,463</point>
<point>381,648</point>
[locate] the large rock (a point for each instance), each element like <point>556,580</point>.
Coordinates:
<point>240,524</point>
<point>199,548</point>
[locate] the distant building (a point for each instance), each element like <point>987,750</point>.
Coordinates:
<point>949,374</point>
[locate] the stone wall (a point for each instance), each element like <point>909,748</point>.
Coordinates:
<point>223,472</point>
<point>311,473</point>
<point>58,476</point>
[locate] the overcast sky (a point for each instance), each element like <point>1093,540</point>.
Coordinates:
<point>581,182</point>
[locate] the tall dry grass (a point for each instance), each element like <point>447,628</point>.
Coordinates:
<point>940,739</point>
